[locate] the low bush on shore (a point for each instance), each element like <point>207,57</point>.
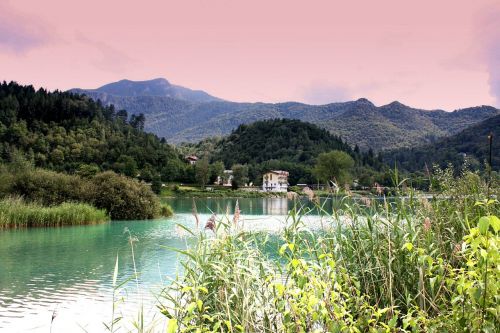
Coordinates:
<point>123,198</point>
<point>16,213</point>
<point>166,210</point>
<point>411,265</point>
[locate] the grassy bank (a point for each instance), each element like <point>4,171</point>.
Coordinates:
<point>411,265</point>
<point>15,213</point>
<point>214,192</point>
<point>121,197</point>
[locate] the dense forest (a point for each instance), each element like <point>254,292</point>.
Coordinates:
<point>286,144</point>
<point>71,133</point>
<point>470,146</point>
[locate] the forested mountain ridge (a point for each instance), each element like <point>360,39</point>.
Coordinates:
<point>72,133</point>
<point>183,119</point>
<point>471,144</point>
<point>277,139</point>
<point>360,122</point>
<point>286,144</point>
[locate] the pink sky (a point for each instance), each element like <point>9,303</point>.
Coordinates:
<point>430,54</point>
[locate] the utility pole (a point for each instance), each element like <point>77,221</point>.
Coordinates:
<point>490,139</point>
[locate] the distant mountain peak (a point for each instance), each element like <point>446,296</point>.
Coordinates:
<point>159,80</point>
<point>396,104</point>
<point>363,100</point>
<point>158,87</point>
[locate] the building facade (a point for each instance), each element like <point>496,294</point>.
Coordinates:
<point>275,181</point>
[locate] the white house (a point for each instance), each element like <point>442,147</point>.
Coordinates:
<point>191,159</point>
<point>275,181</point>
<point>226,179</point>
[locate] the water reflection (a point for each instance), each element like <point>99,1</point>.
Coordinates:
<point>250,206</point>
<point>69,270</point>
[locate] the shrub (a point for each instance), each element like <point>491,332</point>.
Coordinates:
<point>124,198</point>
<point>49,187</point>
<point>166,210</point>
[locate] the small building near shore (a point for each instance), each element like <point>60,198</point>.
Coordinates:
<point>226,179</point>
<point>191,159</point>
<point>275,181</point>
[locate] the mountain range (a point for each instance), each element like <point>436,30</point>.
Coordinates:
<point>183,115</point>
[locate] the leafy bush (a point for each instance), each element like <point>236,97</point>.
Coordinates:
<point>49,187</point>
<point>124,198</point>
<point>166,210</point>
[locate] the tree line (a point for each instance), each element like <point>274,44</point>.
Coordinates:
<point>71,133</point>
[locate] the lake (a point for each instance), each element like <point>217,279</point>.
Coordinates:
<point>68,272</point>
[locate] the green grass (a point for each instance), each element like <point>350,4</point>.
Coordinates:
<point>16,213</point>
<point>216,192</point>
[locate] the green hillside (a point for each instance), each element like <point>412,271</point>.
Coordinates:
<point>285,144</point>
<point>71,133</point>
<point>471,144</point>
<point>277,139</point>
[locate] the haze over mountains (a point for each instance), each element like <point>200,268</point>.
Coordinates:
<point>183,115</point>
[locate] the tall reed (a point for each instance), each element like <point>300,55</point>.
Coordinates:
<point>16,213</point>
<point>408,264</point>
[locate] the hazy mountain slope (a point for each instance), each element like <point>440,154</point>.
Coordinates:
<point>473,142</point>
<point>156,87</point>
<point>180,119</point>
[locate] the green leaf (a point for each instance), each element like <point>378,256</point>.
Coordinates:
<point>484,224</point>
<point>172,326</point>
<point>432,282</point>
<point>408,246</point>
<point>191,306</point>
<point>283,249</point>
<point>495,223</point>
<point>280,288</point>
<point>203,289</point>
<point>200,304</point>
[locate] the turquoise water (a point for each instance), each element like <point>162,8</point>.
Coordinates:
<point>67,272</point>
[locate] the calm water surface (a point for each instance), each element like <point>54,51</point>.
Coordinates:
<point>68,271</point>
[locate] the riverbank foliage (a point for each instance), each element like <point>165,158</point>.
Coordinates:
<point>408,265</point>
<point>121,197</point>
<point>215,192</point>
<point>16,213</point>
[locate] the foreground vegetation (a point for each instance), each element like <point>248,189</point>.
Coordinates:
<point>16,213</point>
<point>411,265</point>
